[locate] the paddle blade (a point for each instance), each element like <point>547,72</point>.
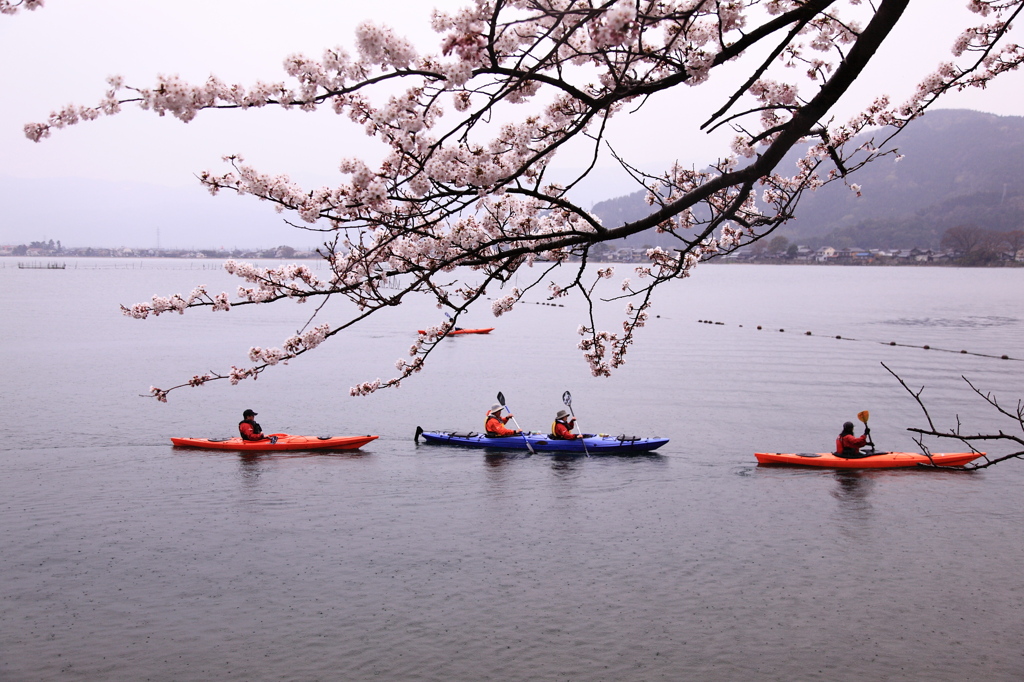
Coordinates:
<point>501,399</point>
<point>567,398</point>
<point>863,416</point>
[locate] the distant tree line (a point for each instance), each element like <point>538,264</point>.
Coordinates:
<point>50,247</point>
<point>975,245</point>
<point>777,247</point>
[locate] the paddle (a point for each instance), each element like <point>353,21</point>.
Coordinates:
<point>501,399</point>
<point>863,418</point>
<point>567,399</point>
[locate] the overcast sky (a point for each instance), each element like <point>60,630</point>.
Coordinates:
<point>64,52</point>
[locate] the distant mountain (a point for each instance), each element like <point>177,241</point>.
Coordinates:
<point>959,168</point>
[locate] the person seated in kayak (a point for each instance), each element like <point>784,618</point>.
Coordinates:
<point>250,430</point>
<point>848,445</point>
<point>494,425</point>
<point>561,428</point>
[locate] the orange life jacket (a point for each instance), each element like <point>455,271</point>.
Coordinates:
<point>850,444</point>
<point>495,425</point>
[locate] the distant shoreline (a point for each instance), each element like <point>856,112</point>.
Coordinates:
<point>893,264</point>
<point>54,261</point>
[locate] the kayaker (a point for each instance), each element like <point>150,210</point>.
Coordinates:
<point>250,430</point>
<point>494,425</point>
<point>561,428</point>
<point>848,445</point>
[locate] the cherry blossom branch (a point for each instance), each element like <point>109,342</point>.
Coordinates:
<point>469,189</point>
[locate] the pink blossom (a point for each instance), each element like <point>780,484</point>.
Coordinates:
<point>12,6</point>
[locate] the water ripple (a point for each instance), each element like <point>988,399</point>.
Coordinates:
<point>972,322</point>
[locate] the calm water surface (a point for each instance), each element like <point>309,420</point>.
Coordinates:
<point>123,558</point>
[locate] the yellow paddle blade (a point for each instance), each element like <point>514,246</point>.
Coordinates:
<point>863,416</point>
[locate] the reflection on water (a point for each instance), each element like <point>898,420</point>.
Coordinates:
<point>566,466</point>
<point>968,322</point>
<point>250,467</point>
<point>851,491</point>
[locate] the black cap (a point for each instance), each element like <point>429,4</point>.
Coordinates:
<point>248,413</point>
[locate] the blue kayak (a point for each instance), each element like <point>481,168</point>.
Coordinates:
<point>595,444</point>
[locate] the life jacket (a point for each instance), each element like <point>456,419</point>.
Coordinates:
<point>500,428</point>
<point>554,429</point>
<point>842,449</point>
<point>257,430</point>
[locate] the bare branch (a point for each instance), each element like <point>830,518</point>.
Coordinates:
<point>970,440</point>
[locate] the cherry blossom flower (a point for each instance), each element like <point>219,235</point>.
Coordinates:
<point>12,6</point>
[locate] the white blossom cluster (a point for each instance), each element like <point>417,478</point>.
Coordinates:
<point>176,303</point>
<point>505,303</point>
<point>307,340</point>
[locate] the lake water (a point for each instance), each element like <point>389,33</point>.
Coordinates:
<point>123,558</point>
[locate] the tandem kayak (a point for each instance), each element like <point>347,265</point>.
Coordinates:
<point>541,442</point>
<point>882,460</point>
<point>284,442</point>
<point>456,332</point>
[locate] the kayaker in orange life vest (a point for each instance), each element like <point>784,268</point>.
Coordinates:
<point>250,430</point>
<point>848,445</point>
<point>561,428</point>
<point>494,424</point>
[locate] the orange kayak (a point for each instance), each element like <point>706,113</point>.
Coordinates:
<point>284,442</point>
<point>882,460</point>
<point>456,332</point>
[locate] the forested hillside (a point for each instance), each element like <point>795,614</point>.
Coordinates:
<point>958,168</point>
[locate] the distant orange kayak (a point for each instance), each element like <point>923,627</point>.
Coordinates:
<point>882,460</point>
<point>284,442</point>
<point>455,332</point>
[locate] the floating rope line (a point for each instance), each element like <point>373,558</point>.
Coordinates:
<point>892,343</point>
<point>553,305</point>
